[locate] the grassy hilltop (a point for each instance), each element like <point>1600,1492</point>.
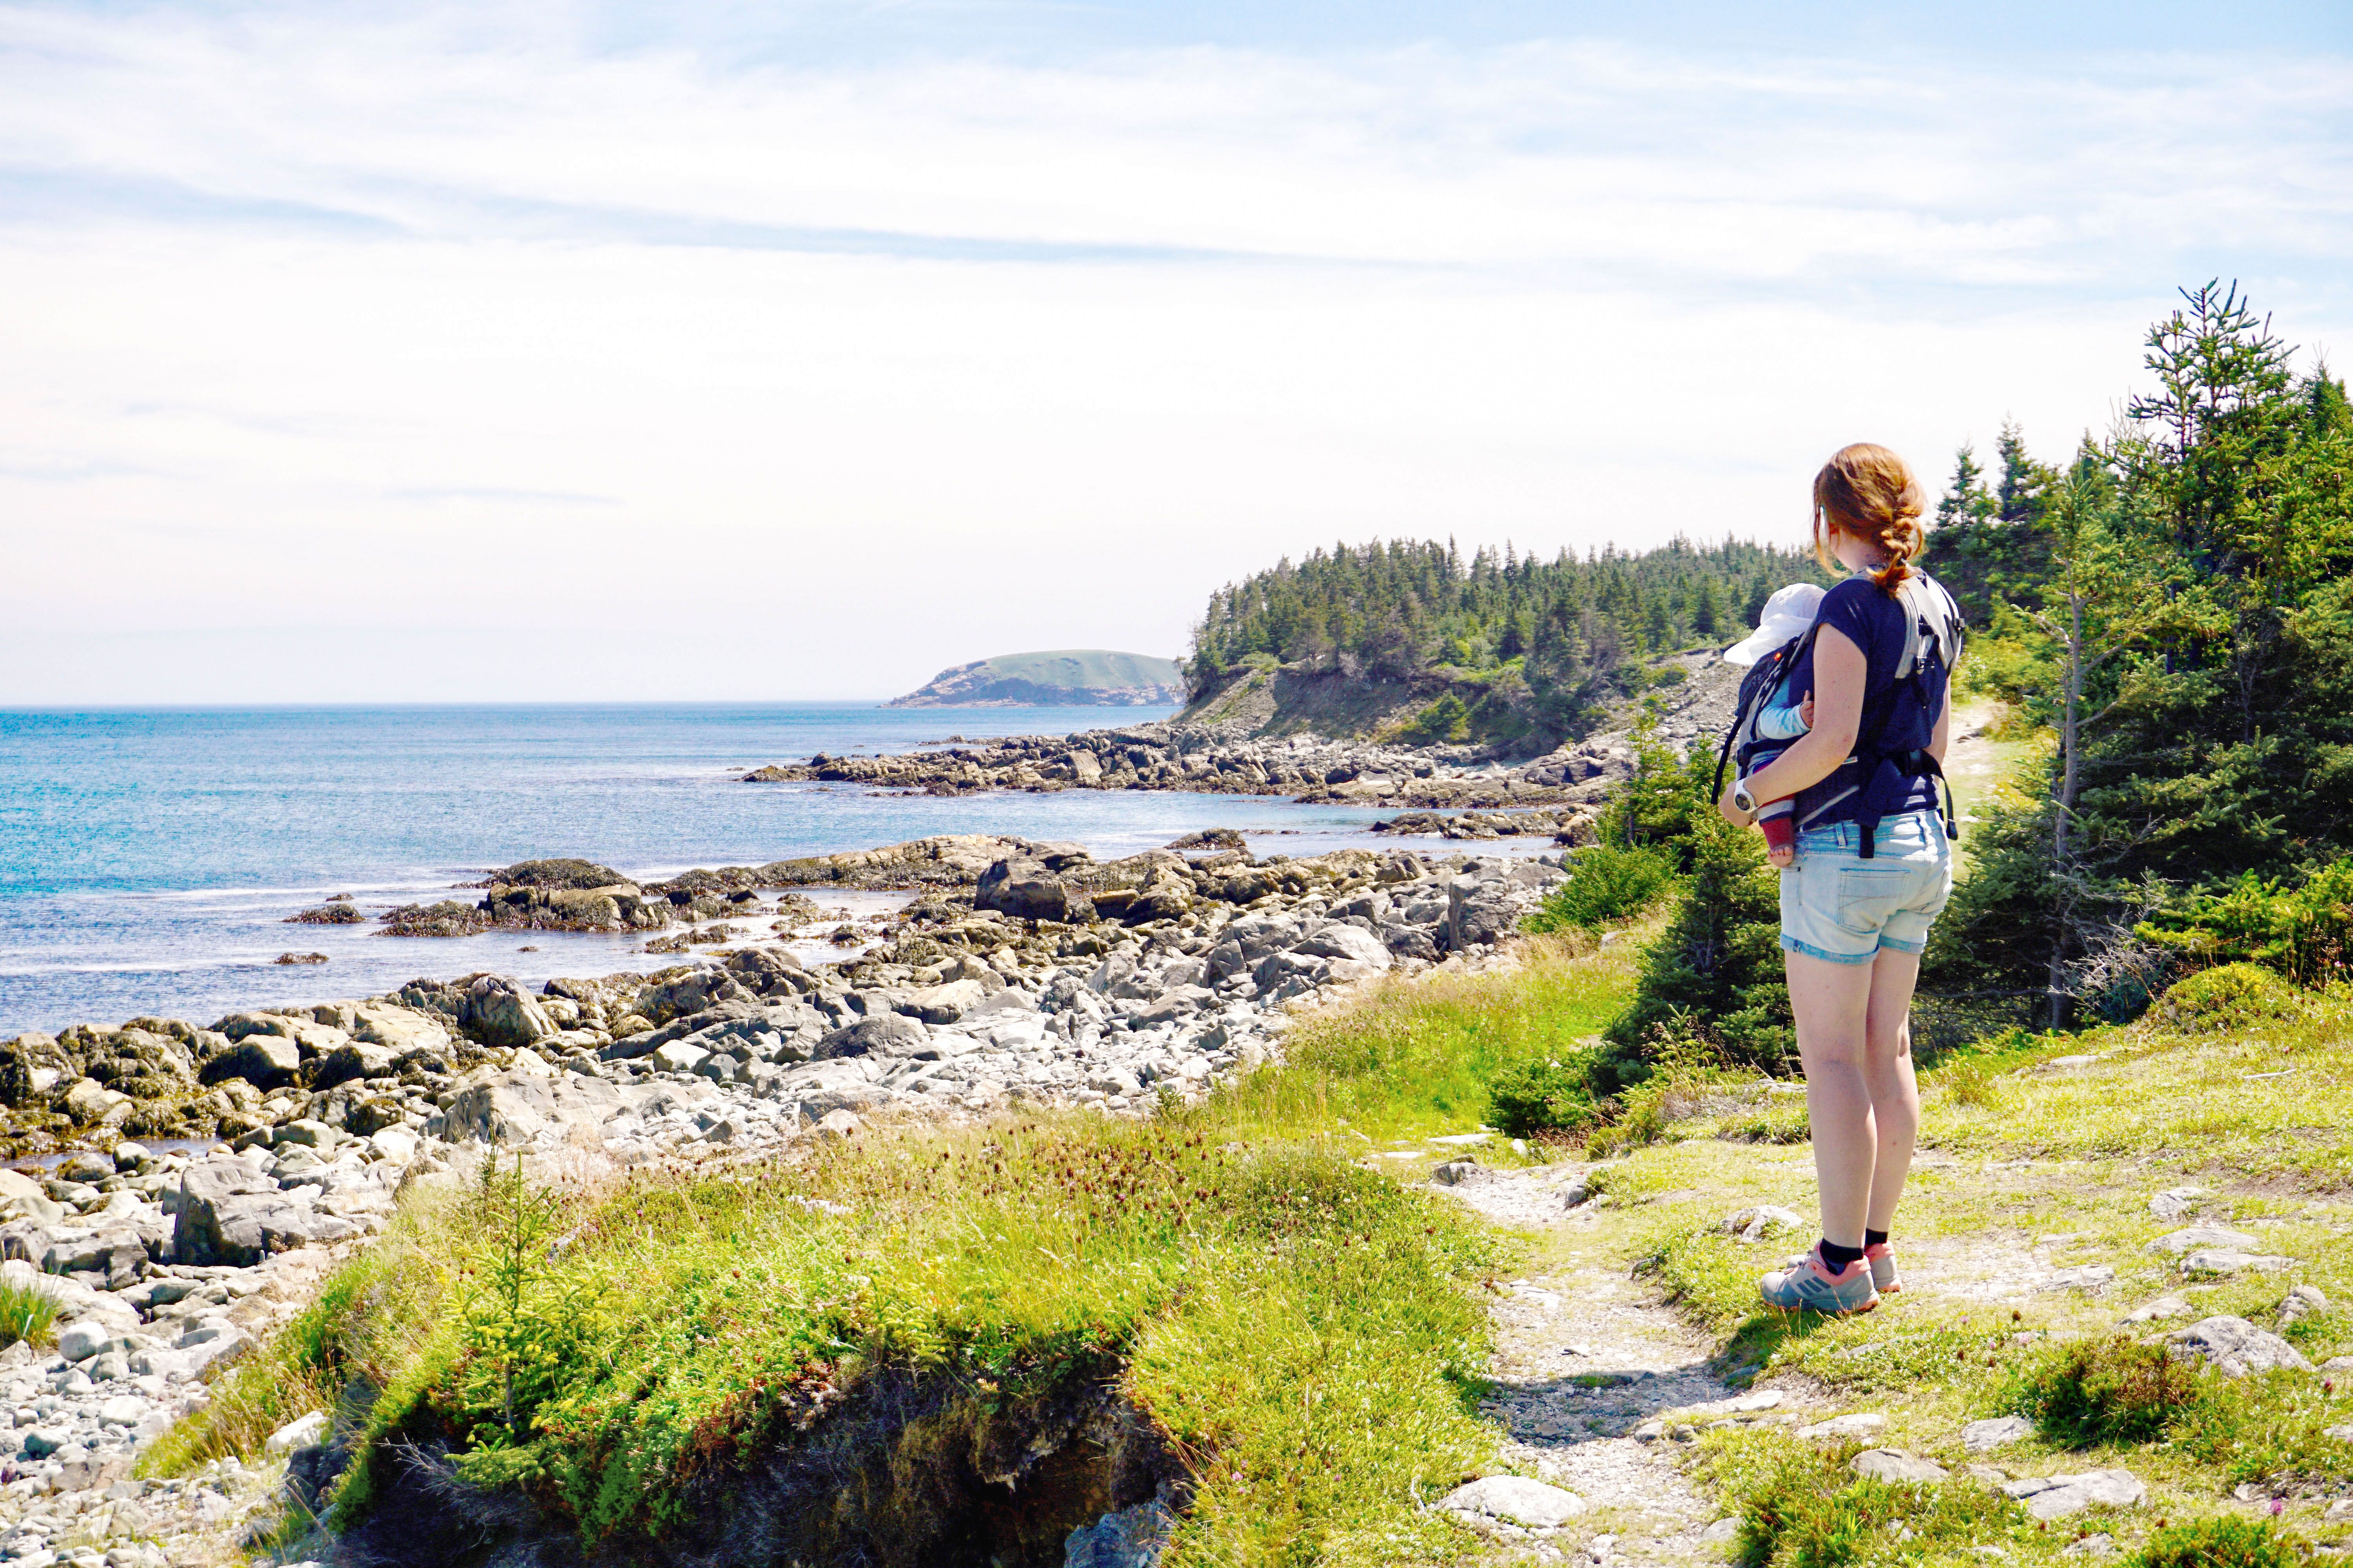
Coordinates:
<point>1060,678</point>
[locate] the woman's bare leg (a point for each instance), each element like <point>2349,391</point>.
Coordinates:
<point>1887,1078</point>
<point>1831,1003</point>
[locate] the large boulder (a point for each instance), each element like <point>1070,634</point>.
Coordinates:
<point>30,1066</point>
<point>499,1013</point>
<point>1478,914</point>
<point>1026,889</point>
<point>2234,1347</point>
<point>1354,942</point>
<point>696,990</point>
<point>358,1059</point>
<point>263,1060</point>
<point>767,969</point>
<point>523,1108</point>
<point>884,1035</point>
<point>941,1003</point>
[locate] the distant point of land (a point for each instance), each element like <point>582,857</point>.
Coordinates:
<point>1064,678</point>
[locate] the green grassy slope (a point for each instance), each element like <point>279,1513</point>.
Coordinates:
<point>1086,667</point>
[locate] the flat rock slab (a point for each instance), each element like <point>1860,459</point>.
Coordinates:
<point>1983,1437</point>
<point>2175,1203</point>
<point>2056,1497</point>
<point>2234,1347</point>
<point>1763,1220</point>
<point>2230,1261</point>
<point>1890,1465</point>
<point>2197,1235</point>
<point>2091,1277</point>
<point>1514,1499</point>
<point>2163,1307</point>
<point>1839,1429</point>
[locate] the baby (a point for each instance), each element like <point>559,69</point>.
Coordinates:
<point>1787,615</point>
<point>1778,819</point>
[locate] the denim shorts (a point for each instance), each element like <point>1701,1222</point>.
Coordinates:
<point>1839,906</point>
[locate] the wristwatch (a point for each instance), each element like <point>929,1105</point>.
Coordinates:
<point>1742,801</point>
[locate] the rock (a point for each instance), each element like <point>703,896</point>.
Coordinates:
<point>1843,1428</point>
<point>16,1184</point>
<point>2234,1347</point>
<point>245,1229</point>
<point>2230,1261</point>
<point>1349,942</point>
<point>120,1255</point>
<point>942,1004</point>
<point>2056,1497</point>
<point>83,1340</point>
<point>300,1433</point>
<point>1723,1530</point>
<point>501,1014</point>
<point>90,1102</point>
<point>884,1035</point>
<point>43,1441</point>
<point>677,1056</point>
<point>396,1144</point>
<point>2163,1307</point>
<point>2338,1434</point>
<point>403,1029</point>
<point>1756,1223</point>
<point>2099,1545</point>
<point>1026,890</point>
<point>122,1410</point>
<point>1477,914</point>
<point>265,1061</point>
<point>1995,1432</point>
<point>1461,1173</point>
<point>1131,1538</point>
<point>2092,1276</point>
<point>2175,1203</point>
<point>839,1124</point>
<point>2198,1235</point>
<point>1890,1465</point>
<point>358,1059</point>
<point>1514,1499</point>
<point>2303,1302</point>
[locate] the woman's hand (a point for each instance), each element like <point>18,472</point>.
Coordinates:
<point>1731,813</point>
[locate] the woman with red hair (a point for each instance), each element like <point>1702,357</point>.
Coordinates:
<point>1874,866</point>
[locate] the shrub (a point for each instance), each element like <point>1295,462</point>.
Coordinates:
<point>2104,1391</point>
<point>1606,883</point>
<point>27,1314</point>
<point>2230,996</point>
<point>1539,1098</point>
<point>2302,932</point>
<point>1446,719</point>
<point>2227,1542</point>
<point>1715,973</point>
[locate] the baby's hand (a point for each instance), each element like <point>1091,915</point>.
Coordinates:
<point>1781,854</point>
<point>1805,717</point>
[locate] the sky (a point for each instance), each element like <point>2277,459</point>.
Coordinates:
<point>556,352</point>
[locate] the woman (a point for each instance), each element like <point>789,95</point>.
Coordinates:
<point>1857,904</point>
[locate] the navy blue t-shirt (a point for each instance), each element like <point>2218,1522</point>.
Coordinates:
<point>1873,619</point>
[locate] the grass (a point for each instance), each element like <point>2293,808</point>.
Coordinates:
<point>1307,1333</point>
<point>29,1314</point>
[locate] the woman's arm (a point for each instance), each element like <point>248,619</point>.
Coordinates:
<point>1936,747</point>
<point>1839,673</point>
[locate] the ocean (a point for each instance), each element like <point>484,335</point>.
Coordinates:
<point>149,857</point>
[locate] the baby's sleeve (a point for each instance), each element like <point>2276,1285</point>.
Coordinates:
<point>1781,723</point>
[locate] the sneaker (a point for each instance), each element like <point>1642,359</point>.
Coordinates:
<point>1882,1259</point>
<point>1812,1286</point>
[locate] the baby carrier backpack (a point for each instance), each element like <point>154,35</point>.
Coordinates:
<point>1897,725</point>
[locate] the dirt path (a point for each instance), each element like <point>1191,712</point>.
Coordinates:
<point>1597,1378</point>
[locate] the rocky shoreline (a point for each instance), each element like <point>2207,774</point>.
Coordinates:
<point>1171,755</point>
<point>1019,972</point>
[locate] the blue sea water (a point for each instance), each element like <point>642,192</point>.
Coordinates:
<point>149,857</point>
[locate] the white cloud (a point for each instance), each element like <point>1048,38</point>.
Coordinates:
<point>435,357</point>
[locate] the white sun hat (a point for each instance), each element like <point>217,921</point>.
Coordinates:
<point>1788,612</point>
